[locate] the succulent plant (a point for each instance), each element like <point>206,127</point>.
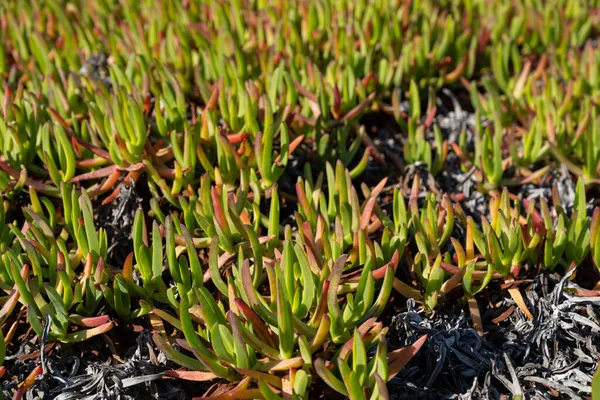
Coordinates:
<point>271,282</point>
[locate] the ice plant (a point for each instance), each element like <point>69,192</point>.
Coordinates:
<point>578,232</point>
<point>416,147</point>
<point>276,219</point>
<point>595,237</point>
<point>360,377</point>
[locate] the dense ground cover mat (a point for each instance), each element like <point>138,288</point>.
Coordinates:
<point>259,199</point>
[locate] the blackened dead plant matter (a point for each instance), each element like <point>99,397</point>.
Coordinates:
<point>556,353</point>
<point>560,348</point>
<point>449,362</point>
<point>139,375</point>
<point>117,218</point>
